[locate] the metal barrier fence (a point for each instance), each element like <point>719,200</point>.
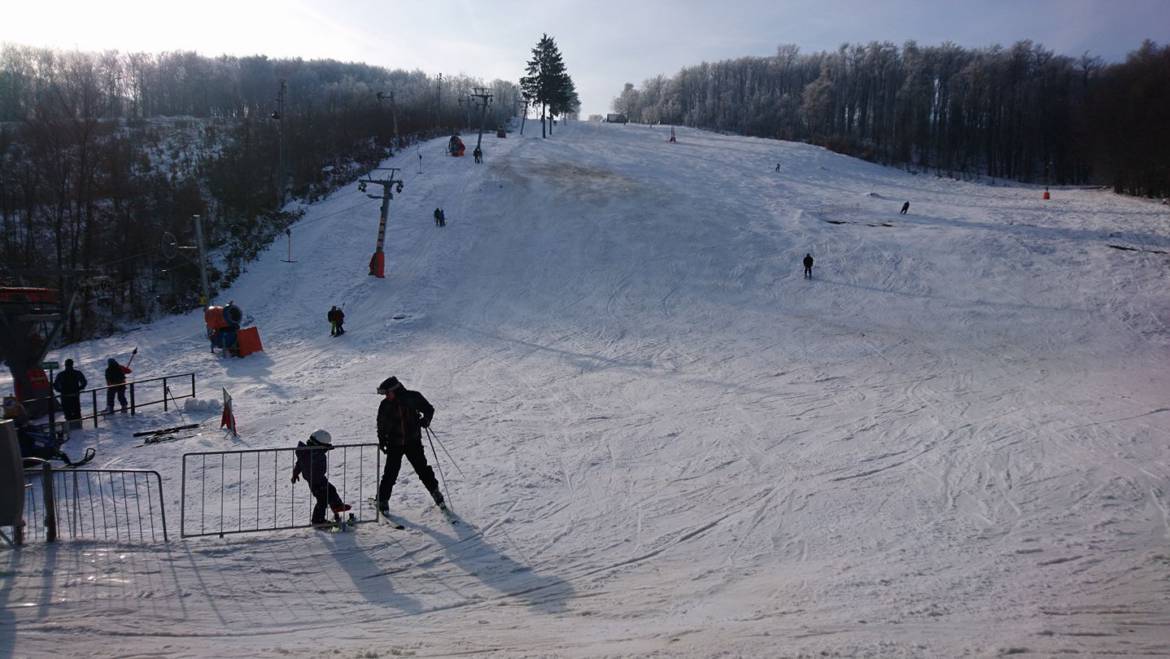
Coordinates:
<point>118,505</point>
<point>133,389</point>
<point>228,492</point>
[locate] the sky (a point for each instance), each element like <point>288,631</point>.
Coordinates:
<point>604,44</point>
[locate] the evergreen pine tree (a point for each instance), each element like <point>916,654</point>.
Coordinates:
<point>548,83</point>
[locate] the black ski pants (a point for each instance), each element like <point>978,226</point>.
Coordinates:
<point>71,406</point>
<point>326,496</point>
<point>413,450</point>
<point>120,392</point>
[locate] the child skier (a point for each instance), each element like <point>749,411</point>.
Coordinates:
<point>313,464</point>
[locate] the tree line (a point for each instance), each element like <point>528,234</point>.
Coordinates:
<point>1022,113</point>
<point>104,156</point>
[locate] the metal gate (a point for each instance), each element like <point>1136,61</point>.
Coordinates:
<point>247,491</point>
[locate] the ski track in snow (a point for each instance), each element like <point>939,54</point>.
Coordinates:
<point>671,443</point>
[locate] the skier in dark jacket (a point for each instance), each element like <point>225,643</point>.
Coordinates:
<point>69,383</point>
<point>905,208</point>
<point>336,320</point>
<point>401,416</point>
<point>116,381</point>
<point>808,264</point>
<point>313,464</point>
<point>477,154</point>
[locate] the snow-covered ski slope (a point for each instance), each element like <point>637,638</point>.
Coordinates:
<point>952,440</point>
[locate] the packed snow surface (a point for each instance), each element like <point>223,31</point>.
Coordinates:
<point>663,439</point>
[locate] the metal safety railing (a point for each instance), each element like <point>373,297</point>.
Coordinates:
<point>108,505</point>
<point>225,492</point>
<point>135,390</point>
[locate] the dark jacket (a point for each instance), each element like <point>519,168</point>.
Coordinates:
<point>808,261</point>
<point>312,464</point>
<point>69,382</point>
<point>335,315</point>
<point>401,420</point>
<point>115,372</point>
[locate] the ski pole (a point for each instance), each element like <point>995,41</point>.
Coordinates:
<point>132,353</point>
<point>429,432</point>
<point>167,394</point>
<point>442,478</point>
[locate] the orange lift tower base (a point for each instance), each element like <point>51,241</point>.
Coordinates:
<point>389,187</point>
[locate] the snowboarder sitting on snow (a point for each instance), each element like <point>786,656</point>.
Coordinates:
<point>336,319</point>
<point>313,464</point>
<point>905,207</point>
<point>116,381</point>
<point>808,263</point>
<point>401,415</point>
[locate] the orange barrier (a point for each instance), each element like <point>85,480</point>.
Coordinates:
<point>248,341</point>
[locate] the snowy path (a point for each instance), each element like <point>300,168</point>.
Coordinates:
<point>672,442</point>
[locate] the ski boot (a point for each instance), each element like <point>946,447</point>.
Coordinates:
<point>439,501</point>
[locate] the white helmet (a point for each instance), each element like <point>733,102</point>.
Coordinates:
<point>322,437</point>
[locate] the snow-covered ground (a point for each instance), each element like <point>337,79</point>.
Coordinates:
<point>952,440</point>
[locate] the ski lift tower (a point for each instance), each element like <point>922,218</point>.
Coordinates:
<point>382,96</point>
<point>389,187</point>
<point>484,100</point>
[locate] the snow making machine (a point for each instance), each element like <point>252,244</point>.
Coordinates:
<point>455,147</point>
<point>224,331</point>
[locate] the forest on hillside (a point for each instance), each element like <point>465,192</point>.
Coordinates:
<point>104,154</point>
<point>1022,113</point>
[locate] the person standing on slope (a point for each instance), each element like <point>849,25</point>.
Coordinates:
<point>336,318</point>
<point>808,264</point>
<point>313,464</point>
<point>401,416</point>
<point>905,207</point>
<point>69,383</point>
<point>116,381</point>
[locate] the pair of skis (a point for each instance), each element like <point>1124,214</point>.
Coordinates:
<point>339,524</point>
<point>164,434</point>
<point>389,519</point>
